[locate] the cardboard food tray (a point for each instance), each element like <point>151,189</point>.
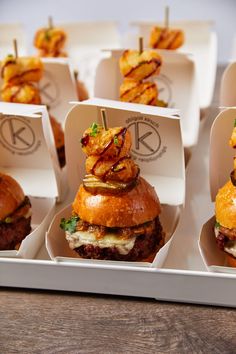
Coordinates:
<point>221,165</point>
<point>183,277</point>
<point>28,154</point>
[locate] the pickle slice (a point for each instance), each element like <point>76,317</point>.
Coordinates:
<point>95,185</point>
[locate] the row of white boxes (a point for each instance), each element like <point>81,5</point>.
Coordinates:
<point>85,42</point>
<point>35,166</point>
<point>179,86</point>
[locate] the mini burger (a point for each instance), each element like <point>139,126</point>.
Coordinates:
<point>225,210</point>
<point>115,212</point>
<point>15,213</point>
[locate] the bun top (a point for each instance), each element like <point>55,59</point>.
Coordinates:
<point>225,206</point>
<point>11,195</point>
<point>139,205</point>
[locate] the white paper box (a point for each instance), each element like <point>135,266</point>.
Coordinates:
<point>28,154</point>
<point>177,85</point>
<point>84,43</point>
<point>9,31</point>
<point>201,41</point>
<point>57,87</point>
<point>228,86</point>
<point>163,168</point>
<point>221,165</point>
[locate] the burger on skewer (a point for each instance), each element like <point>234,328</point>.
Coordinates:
<point>115,212</point>
<point>225,210</point>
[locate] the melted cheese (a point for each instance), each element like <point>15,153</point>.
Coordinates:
<point>230,247</point>
<point>81,238</point>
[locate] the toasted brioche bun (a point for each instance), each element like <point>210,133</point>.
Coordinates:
<point>11,195</point>
<point>139,205</point>
<point>225,206</point>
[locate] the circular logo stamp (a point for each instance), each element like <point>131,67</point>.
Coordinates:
<point>146,141</point>
<point>49,90</point>
<point>165,89</point>
<point>147,144</point>
<point>17,135</point>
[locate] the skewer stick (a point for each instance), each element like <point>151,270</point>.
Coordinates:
<point>50,22</point>
<point>76,74</point>
<point>15,48</point>
<point>104,118</point>
<point>167,10</point>
<point>140,45</point>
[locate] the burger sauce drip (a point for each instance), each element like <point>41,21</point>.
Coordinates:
<point>85,140</point>
<point>20,76</point>
<point>122,134</point>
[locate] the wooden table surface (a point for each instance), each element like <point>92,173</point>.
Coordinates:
<point>57,322</point>
<point>54,322</point>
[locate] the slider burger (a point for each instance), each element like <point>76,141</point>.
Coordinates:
<point>225,210</point>
<point>15,213</point>
<point>115,212</point>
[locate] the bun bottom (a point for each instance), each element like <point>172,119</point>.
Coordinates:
<point>231,261</point>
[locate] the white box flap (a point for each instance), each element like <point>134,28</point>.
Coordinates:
<point>221,154</point>
<point>28,151</point>
<point>57,87</point>
<point>228,86</point>
<point>177,85</point>
<point>84,43</point>
<point>201,41</point>
<point>157,144</point>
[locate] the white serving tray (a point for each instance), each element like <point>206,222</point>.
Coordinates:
<point>183,278</point>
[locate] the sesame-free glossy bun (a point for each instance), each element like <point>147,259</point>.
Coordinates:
<point>139,205</point>
<point>11,195</point>
<point>225,206</point>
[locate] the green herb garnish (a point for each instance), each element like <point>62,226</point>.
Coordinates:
<point>70,224</point>
<point>8,220</point>
<point>116,168</point>
<point>234,123</point>
<point>94,128</point>
<point>116,141</point>
<point>217,225</point>
<point>47,36</point>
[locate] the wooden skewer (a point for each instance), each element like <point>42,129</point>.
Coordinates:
<point>50,22</point>
<point>140,45</point>
<point>167,10</point>
<point>76,74</point>
<point>15,48</point>
<point>104,118</point>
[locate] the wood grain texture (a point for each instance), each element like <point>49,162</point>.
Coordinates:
<point>57,322</point>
